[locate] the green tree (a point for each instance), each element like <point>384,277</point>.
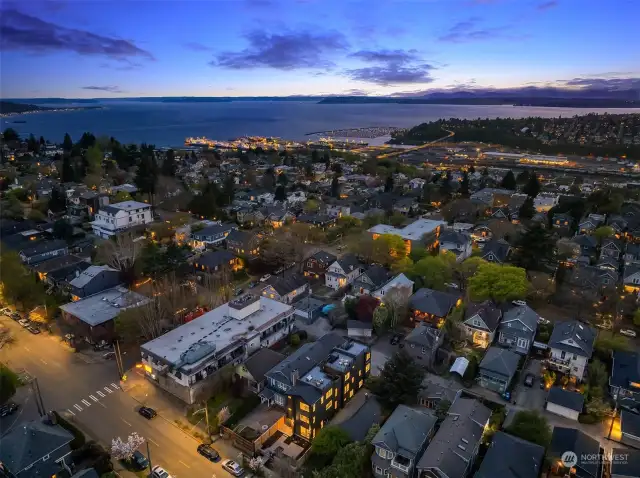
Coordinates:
<point>94,159</point>
<point>388,185</point>
<point>9,383</point>
<point>597,379</point>
<point>388,248</point>
<point>62,229</point>
<point>169,164</point>
<point>531,426</point>
<point>87,140</point>
<point>400,381</point>
<point>122,196</point>
<point>535,249</point>
<point>10,134</point>
<point>403,265</point>
<point>442,409</point>
<point>597,407</point>
<point>603,232</point>
<point>311,205</point>
<point>147,175</point>
<point>68,173</point>
<point>335,186</point>
<point>432,272</point>
<point>67,143</point>
<point>464,184</point>
<point>499,283</point>
<point>466,269</point>
<point>606,344</point>
<point>328,442</point>
<point>380,319</point>
<point>527,210</point>
<point>636,318</point>
<point>509,181</point>
<point>280,194</point>
<point>57,201</point>
<point>523,177</point>
<point>32,144</point>
<point>532,188</point>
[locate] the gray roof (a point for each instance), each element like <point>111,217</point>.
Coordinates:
<point>44,246</point>
<point>262,361</point>
<point>577,441</point>
<point>630,270</point>
<point>348,262</point>
<point>358,424</point>
<point>215,258</point>
<point>285,285</point>
<point>88,473</point>
<point>104,306</point>
<point>625,369</point>
<point>524,314</point>
<point>88,274</point>
<point>28,443</point>
<point>214,230</point>
<point>242,237</point>
<point>378,275</point>
<point>454,237</point>
<point>433,301</point>
<point>453,445</point>
<point>57,263</point>
<point>359,324</point>
<point>436,391</point>
<point>498,247</point>
<point>566,398</point>
<point>487,311</point>
<point>308,393</point>
<point>406,430</point>
<point>423,336</point>
<point>584,240</point>
<point>511,457</point>
<point>580,334</point>
<point>325,257</point>
<point>630,423</point>
<point>501,361</point>
<point>629,467</point>
<point>305,358</point>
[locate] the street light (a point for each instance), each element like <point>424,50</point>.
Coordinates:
<point>206,415</point>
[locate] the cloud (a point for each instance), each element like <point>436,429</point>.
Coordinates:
<point>22,32</point>
<point>290,50</point>
<point>123,64</point>
<point>195,46</point>
<point>608,84</point>
<point>385,56</point>
<point>109,89</point>
<point>470,31</point>
<point>390,67</point>
<point>547,5</point>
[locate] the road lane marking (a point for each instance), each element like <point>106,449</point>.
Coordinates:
<point>93,398</point>
<point>125,421</point>
<point>151,441</point>
<point>86,402</point>
<point>102,405</point>
<point>100,393</point>
<point>27,349</point>
<point>184,463</point>
<point>115,386</point>
<point>44,361</point>
<point>108,390</point>
<point>71,412</point>
<point>78,407</point>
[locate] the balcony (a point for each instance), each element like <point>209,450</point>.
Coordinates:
<point>402,463</point>
<point>558,363</point>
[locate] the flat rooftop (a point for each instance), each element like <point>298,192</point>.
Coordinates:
<point>104,306</point>
<point>128,205</point>
<point>316,378</point>
<point>412,232</point>
<point>211,333</point>
<point>243,301</point>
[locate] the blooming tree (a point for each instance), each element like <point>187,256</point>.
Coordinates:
<point>223,414</point>
<point>255,464</point>
<point>123,450</point>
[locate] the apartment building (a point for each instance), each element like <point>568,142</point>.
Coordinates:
<point>420,233</point>
<point>118,217</point>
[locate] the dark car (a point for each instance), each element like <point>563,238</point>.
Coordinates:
<point>15,316</point>
<point>528,380</point>
<point>252,284</point>
<point>33,329</point>
<point>8,409</point>
<point>209,453</point>
<point>147,412</point>
<point>138,461</point>
<point>238,291</point>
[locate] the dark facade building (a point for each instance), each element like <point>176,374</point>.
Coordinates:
<point>244,244</point>
<point>43,251</point>
<point>94,279</point>
<point>316,265</point>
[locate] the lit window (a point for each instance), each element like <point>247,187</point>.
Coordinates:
<point>329,393</point>
<point>304,407</point>
<point>368,367</point>
<point>304,419</point>
<point>346,388</point>
<point>360,383</point>
<point>329,405</point>
<point>305,432</point>
<point>368,356</point>
<point>346,377</point>
<point>321,400</point>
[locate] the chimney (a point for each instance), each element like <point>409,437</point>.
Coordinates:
<point>295,375</point>
<point>51,418</point>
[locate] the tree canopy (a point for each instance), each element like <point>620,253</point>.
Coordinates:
<point>531,426</point>
<point>499,283</point>
<point>535,249</point>
<point>509,181</point>
<point>399,382</point>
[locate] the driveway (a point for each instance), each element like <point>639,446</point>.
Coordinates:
<point>381,351</point>
<point>531,398</point>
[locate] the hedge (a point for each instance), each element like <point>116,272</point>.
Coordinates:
<point>242,411</point>
<point>78,437</point>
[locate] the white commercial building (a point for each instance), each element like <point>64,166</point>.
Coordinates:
<point>118,217</point>
<point>181,360</point>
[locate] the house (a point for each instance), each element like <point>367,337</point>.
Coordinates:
<point>454,447</point>
<point>82,204</point>
<point>612,248</point>
<point>420,233</point>
<point>276,217</point>
<point>316,265</point>
<point>632,254</point>
<point>480,322</point>
<point>359,330</point>
<point>432,306</point>
<point>562,221</point>
<point>500,212</point>
<point>37,448</point>
<point>570,439</point>
<point>92,280</point>
<point>401,441</point>
<point>432,393</point>
<point>254,369</point>
<point>497,368</point>
<point>118,217</point>
<point>371,279</point>
<point>43,269</point>
<point>630,428</point>
<point>590,223</point>
<point>625,463</point>
<point>399,282</point>
<point>457,243</point>
<point>544,202</point>
<point>588,244</point>
<point>321,221</point>
<point>286,289</point>
<point>217,261</point>
<point>571,346</point>
<point>405,205</point>
<point>565,403</point>
<point>518,328</point>
<point>211,235</point>
<point>416,183</point>
<point>248,216</point>
<point>592,278</point>
<point>185,360</point>
<point>511,457</point>
<point>92,318</point>
<point>242,243</point>
<point>42,251</point>
<point>492,196</point>
<point>496,250</point>
<point>343,272</point>
<point>631,278</point>
<point>624,381</point>
<point>422,344</point>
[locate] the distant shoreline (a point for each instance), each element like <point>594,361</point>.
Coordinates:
<point>50,110</point>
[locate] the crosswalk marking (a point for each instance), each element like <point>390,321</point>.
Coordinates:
<point>100,393</point>
<point>93,398</point>
<point>115,386</point>
<point>86,403</point>
<point>71,412</point>
<point>78,407</point>
<point>108,390</point>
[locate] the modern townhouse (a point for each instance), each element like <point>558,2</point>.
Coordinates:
<point>316,265</point>
<point>624,382</point>
<point>422,344</point>
<point>118,217</point>
<point>92,280</point>
<point>577,441</point>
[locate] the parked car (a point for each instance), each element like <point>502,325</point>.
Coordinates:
<point>265,277</point>
<point>518,302</point>
<point>5,311</point>
<point>24,322</point>
<point>628,332</point>
<point>33,329</point>
<point>148,413</point>
<point>109,356</point>
<point>139,461</point>
<point>543,321</point>
<point>159,472</point>
<point>232,467</point>
<point>238,291</point>
<point>528,380</point>
<point>279,271</point>
<point>209,453</point>
<point>252,284</point>
<point>8,409</point>
<point>15,316</point>
<point>607,325</point>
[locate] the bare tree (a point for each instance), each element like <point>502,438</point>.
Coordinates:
<point>216,288</point>
<point>121,251</point>
<point>174,299</point>
<point>396,300</point>
<point>284,247</point>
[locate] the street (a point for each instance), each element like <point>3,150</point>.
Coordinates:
<point>90,396</point>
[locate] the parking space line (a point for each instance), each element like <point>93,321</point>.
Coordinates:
<point>100,393</point>
<point>182,462</point>
<point>125,421</point>
<point>93,398</point>
<point>78,407</point>
<point>71,412</point>
<point>151,441</point>
<point>86,402</point>
<point>108,390</point>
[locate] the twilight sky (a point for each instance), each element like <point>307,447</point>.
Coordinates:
<point>119,48</point>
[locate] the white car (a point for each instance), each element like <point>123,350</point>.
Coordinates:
<point>265,277</point>
<point>543,321</point>
<point>232,467</point>
<point>24,322</point>
<point>159,472</point>
<point>628,332</point>
<point>518,302</point>
<point>5,311</point>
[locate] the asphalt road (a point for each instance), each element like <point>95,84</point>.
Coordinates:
<point>89,394</point>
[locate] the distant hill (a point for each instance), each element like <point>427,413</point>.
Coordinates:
<point>9,107</point>
<point>473,100</point>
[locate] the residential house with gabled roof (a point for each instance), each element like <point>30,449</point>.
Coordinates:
<point>432,306</point>
<point>211,235</point>
<point>286,289</point>
<point>343,271</point>
<point>562,221</point>
<point>400,282</point>
<point>630,467</point>
<point>606,263</point>
<point>588,244</point>
<point>612,248</point>
<point>566,403</point>
<point>618,223</point>
<point>632,254</point>
<point>496,251</point>
<point>571,347</point>
<point>216,261</point>
<point>401,441</point>
<point>253,371</point>
<point>243,243</point>
<point>480,322</point>
<point>92,280</point>
<point>624,381</point>
<point>276,216</point>
<point>590,223</point>
<point>321,221</point>
<point>500,212</point>
<point>570,439</point>
<point>316,265</point>
<point>458,243</point>
<point>422,344</point>
<point>454,448</point>
<point>497,369</point>
<point>371,279</point>
<point>592,279</point>
<point>517,328</point>
<point>511,457</point>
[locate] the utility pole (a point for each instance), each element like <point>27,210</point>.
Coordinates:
<point>38,396</point>
<point>149,455</point>
<point>116,349</point>
<point>206,417</point>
